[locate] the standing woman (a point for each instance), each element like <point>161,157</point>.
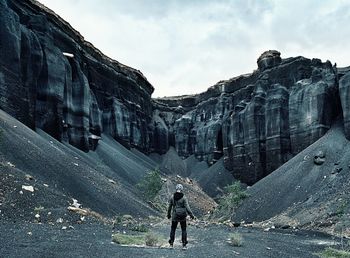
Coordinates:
<point>179,205</point>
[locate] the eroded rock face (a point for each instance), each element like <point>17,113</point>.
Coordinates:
<point>344,90</point>
<point>50,78</point>
<point>259,121</point>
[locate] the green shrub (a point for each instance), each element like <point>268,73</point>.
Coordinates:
<point>151,184</point>
<point>235,239</point>
<point>334,253</point>
<point>150,239</point>
<point>233,196</point>
<point>124,239</point>
<point>140,228</point>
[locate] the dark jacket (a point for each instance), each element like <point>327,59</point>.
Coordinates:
<point>178,202</point>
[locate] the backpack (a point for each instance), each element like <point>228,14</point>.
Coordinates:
<point>180,212</point>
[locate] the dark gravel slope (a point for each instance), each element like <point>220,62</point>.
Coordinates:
<point>59,172</point>
<point>303,193</point>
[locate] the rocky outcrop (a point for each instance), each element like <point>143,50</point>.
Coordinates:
<point>258,121</point>
<point>269,59</point>
<point>50,78</point>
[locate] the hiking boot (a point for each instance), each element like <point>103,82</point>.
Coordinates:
<point>184,247</point>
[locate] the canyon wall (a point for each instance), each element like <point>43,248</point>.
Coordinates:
<point>51,78</point>
<point>258,121</point>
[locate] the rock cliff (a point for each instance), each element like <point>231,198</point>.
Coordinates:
<point>52,79</point>
<point>258,121</point>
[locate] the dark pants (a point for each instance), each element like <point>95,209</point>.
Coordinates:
<point>183,229</point>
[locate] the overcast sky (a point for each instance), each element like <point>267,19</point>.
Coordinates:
<point>186,46</point>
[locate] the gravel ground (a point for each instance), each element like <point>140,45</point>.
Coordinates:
<point>94,240</point>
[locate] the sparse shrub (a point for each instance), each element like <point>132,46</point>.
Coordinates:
<point>235,239</point>
<point>334,253</point>
<point>151,239</point>
<point>151,184</point>
<point>233,196</point>
<point>117,219</point>
<point>127,217</point>
<point>140,228</point>
<point>341,209</point>
<point>123,239</point>
<point>38,209</point>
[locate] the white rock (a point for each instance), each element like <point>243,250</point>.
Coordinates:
<point>29,177</point>
<point>75,203</point>
<point>59,220</point>
<point>28,188</point>
<point>112,181</point>
<point>70,55</point>
<point>10,164</point>
<point>37,216</point>
<point>64,227</point>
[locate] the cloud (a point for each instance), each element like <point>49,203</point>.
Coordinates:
<point>184,47</point>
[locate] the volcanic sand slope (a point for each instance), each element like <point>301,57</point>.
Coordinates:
<point>215,178</point>
<point>211,179</point>
<point>301,193</point>
<point>61,172</point>
<point>103,181</point>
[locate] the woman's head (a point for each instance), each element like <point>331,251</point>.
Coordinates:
<point>179,188</point>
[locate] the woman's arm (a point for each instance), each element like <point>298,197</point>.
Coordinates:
<point>188,209</point>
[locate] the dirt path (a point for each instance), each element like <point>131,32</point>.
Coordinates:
<point>94,240</point>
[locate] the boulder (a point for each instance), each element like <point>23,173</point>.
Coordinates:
<point>269,59</point>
